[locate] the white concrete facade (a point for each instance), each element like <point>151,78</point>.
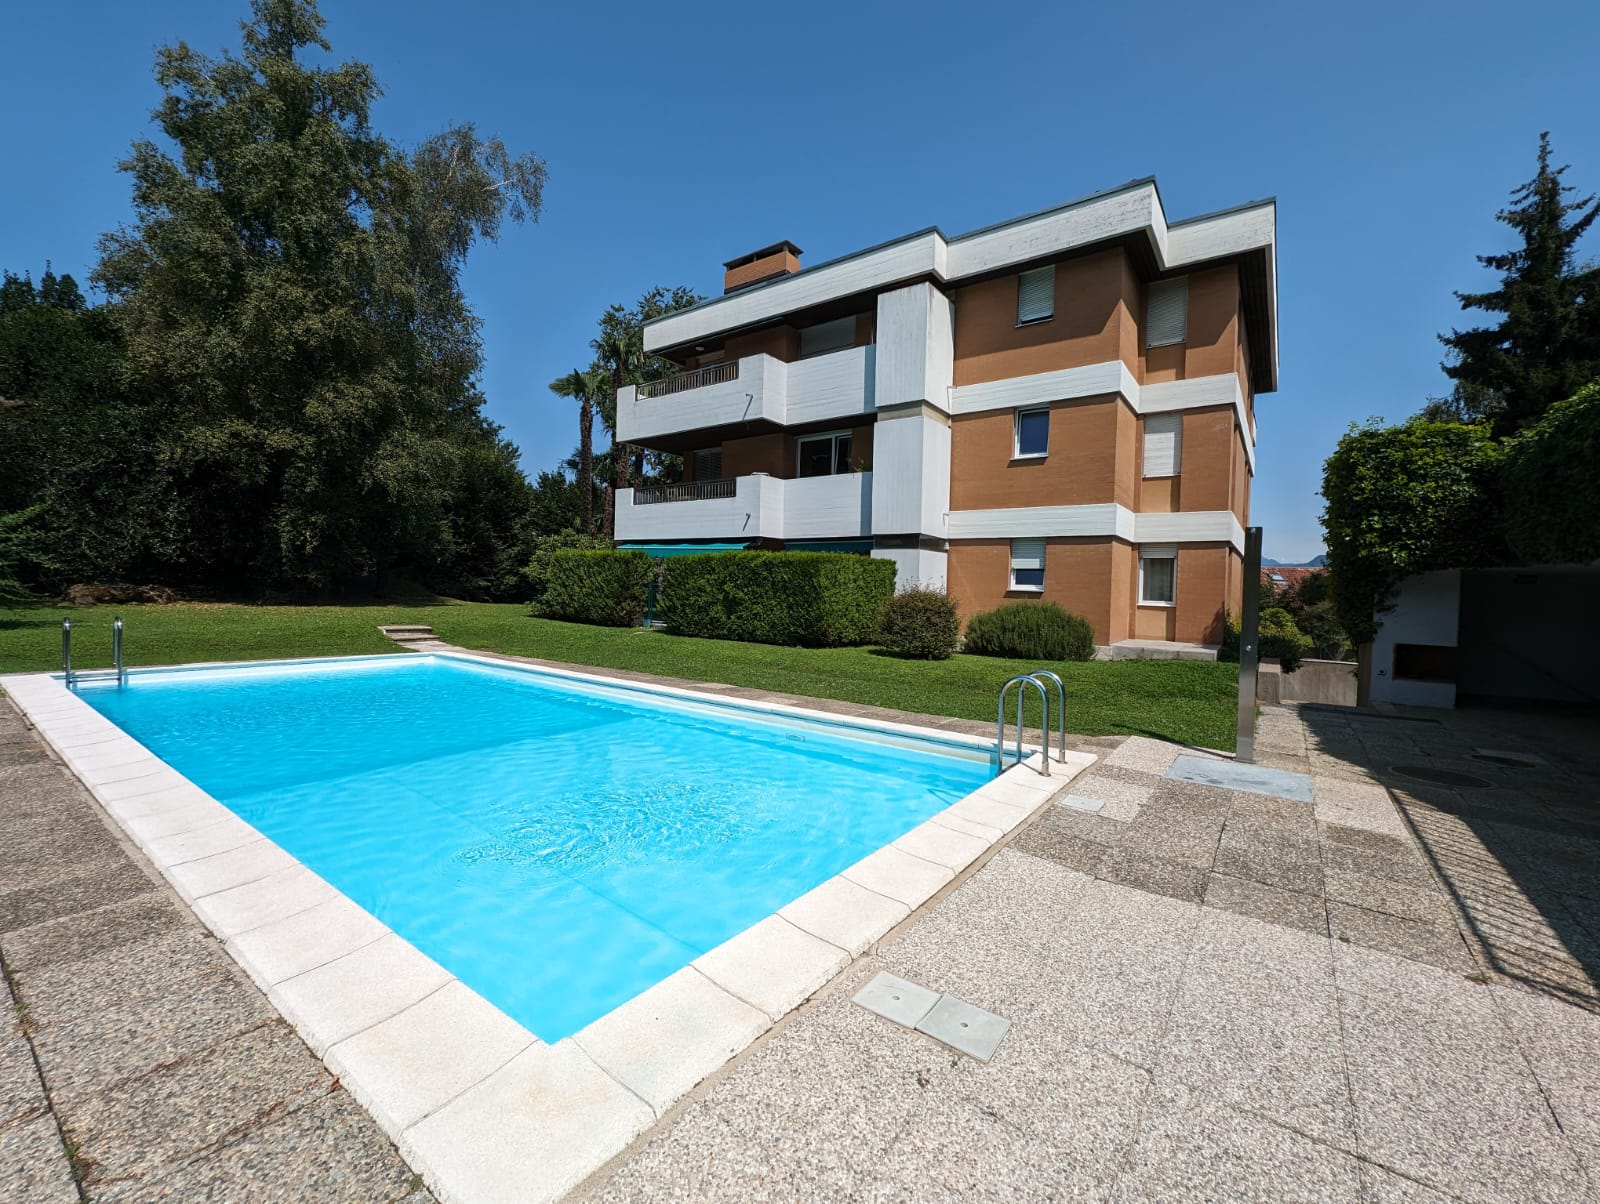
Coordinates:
<point>1427,610</point>
<point>762,508</point>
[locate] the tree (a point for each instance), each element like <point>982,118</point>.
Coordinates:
<point>290,291</point>
<point>1403,500</point>
<point>619,351</point>
<point>584,387</point>
<point>1547,344</point>
<point>1552,508</point>
<point>75,442</point>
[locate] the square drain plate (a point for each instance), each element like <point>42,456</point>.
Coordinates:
<point>963,1027</point>
<point>896,999</point>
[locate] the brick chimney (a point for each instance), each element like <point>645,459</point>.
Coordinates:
<point>780,259</point>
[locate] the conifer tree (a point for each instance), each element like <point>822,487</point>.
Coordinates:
<point>1546,345</point>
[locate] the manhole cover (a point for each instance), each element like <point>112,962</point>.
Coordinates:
<point>1439,777</point>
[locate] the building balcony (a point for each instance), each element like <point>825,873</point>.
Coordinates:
<point>757,389</point>
<point>748,508</point>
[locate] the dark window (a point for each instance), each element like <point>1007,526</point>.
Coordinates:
<point>1027,578</point>
<point>825,455</point>
<point>1033,432</point>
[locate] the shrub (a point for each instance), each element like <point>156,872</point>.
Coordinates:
<point>1039,631</point>
<point>1277,637</point>
<point>605,588</point>
<point>922,623</point>
<point>537,572</point>
<point>1552,509</point>
<point>812,599</point>
<point>1403,500</point>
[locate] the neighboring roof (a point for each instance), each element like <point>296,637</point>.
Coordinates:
<point>1246,234</point>
<point>1280,575</point>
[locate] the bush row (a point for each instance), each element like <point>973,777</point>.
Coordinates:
<point>808,599</point>
<point>811,599</point>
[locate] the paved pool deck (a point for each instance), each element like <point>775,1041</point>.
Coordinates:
<point>1217,995</point>
<point>1379,995</point>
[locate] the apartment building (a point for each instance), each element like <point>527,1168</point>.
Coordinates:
<point>1058,407</point>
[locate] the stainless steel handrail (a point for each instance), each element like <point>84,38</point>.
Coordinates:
<point>1019,681</point>
<point>116,650</point>
<point>66,649</point>
<point>1061,717</point>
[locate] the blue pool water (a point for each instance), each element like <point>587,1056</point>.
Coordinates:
<point>559,847</point>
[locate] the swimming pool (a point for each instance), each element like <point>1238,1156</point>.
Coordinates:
<point>557,844</point>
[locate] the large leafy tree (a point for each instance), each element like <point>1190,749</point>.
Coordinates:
<point>1546,344</point>
<point>77,448</point>
<point>289,289</point>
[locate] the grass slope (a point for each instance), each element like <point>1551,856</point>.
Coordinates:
<point>1188,701</point>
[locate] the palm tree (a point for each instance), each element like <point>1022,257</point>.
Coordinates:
<point>584,387</point>
<point>621,350</point>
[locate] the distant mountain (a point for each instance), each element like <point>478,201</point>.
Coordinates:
<point>1315,562</point>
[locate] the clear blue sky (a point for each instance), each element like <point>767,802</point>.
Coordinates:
<point>680,135</point>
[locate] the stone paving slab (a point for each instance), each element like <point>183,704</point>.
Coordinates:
<point>1313,1028</point>
<point>170,1073</point>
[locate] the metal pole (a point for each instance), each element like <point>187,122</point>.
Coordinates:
<point>66,649</point>
<point>1249,648</point>
<point>116,647</point>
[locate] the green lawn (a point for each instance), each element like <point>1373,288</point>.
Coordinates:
<point>1187,701</point>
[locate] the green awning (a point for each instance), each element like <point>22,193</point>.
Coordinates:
<point>662,551</point>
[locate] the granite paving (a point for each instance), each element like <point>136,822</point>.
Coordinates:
<point>1215,995</point>
<point>137,1062</point>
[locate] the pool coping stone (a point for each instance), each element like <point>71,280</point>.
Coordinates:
<point>536,1119</point>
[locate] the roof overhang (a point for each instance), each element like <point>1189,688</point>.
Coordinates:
<point>1245,235</point>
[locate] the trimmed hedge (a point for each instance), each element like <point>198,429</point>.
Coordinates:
<point>921,623</point>
<point>1038,631</point>
<point>605,588</point>
<point>810,599</point>
<point>537,571</point>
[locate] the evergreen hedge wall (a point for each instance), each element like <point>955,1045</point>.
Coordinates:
<point>606,588</point>
<point>811,599</point>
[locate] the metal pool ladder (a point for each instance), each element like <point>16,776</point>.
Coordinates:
<point>116,673</point>
<point>1032,679</point>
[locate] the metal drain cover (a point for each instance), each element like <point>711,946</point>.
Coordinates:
<point>1440,777</point>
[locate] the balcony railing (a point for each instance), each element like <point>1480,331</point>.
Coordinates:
<point>688,491</point>
<point>713,374</point>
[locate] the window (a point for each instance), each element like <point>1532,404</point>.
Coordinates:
<point>1027,565</point>
<point>825,455</point>
<point>1036,295</point>
<point>1158,576</point>
<point>1033,432</point>
<point>1167,316</point>
<point>708,464</point>
<point>827,336</point>
<point>1163,445</point>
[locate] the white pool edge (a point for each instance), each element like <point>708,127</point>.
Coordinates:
<point>478,1105</point>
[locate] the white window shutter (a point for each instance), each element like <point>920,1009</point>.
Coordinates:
<point>1027,553</point>
<point>1163,445</point>
<point>1036,295</point>
<point>1167,318</point>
